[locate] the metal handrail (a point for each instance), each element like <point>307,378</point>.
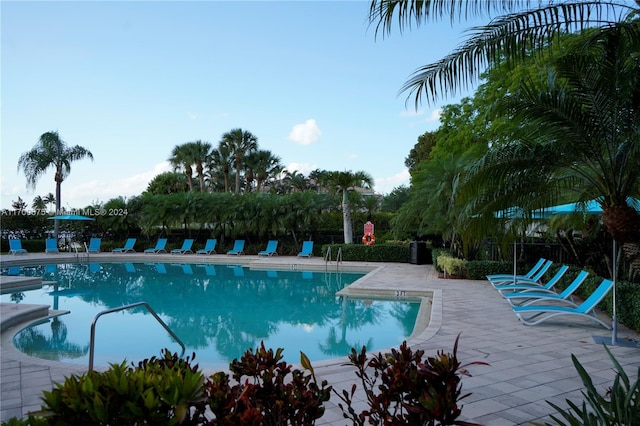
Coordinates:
<point>122,308</point>
<point>338,258</point>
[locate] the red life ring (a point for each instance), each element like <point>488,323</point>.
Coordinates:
<point>368,239</point>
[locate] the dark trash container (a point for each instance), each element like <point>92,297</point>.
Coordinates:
<point>419,253</point>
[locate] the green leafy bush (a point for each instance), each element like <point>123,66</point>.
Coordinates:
<point>435,254</point>
<point>620,406</point>
<point>406,389</point>
<point>159,391</point>
<point>452,265</point>
<point>479,269</point>
<point>170,391</point>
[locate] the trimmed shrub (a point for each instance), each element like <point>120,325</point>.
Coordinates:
<point>374,253</point>
<point>479,269</point>
<point>452,265</point>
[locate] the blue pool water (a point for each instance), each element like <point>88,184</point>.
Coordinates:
<point>218,311</point>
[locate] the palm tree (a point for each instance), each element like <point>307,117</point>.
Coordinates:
<point>50,199</point>
<point>512,35</point>
<point>343,183</point>
<point>262,165</point>
<point>240,143</point>
<point>39,204</point>
<point>201,152</point>
<point>182,157</point>
<point>221,164</point>
<point>51,151</point>
<point>588,111</point>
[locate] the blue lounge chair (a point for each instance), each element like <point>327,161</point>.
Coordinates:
<point>307,249</point>
<point>548,286</point>
<point>532,271</point>
<point>15,246</point>
<point>51,245</point>
<point>186,247</point>
<point>536,278</point>
<point>160,245</point>
<point>94,245</point>
<point>535,314</point>
<point>238,248</point>
<point>128,246</point>
<point>528,297</point>
<point>272,246</point>
<point>209,247</point>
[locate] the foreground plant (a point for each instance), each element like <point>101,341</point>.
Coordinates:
<point>620,406</point>
<point>158,391</point>
<point>267,392</point>
<point>407,390</point>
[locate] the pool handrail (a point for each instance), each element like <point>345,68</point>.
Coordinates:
<point>122,308</point>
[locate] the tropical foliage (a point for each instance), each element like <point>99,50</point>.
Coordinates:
<point>51,152</point>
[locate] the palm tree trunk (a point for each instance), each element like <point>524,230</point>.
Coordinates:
<point>56,227</point>
<point>346,216</point>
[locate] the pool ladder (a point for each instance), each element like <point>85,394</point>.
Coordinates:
<point>122,308</point>
<point>327,258</point>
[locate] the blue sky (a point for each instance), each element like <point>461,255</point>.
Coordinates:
<point>131,80</point>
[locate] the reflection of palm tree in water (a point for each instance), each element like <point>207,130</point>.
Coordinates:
<point>355,314</point>
<point>33,342</point>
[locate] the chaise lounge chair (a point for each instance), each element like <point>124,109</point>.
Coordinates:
<point>307,249</point>
<point>186,247</point>
<point>160,245</point>
<point>15,246</point>
<point>128,246</point>
<point>532,271</point>
<point>548,286</point>
<point>272,246</point>
<point>528,297</point>
<point>94,245</point>
<point>51,245</point>
<point>238,248</point>
<point>209,247</point>
<point>535,314</point>
<point>522,280</point>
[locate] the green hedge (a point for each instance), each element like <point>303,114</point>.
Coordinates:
<point>479,269</point>
<point>374,253</point>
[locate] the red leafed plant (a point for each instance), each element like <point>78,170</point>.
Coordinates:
<point>403,389</point>
<point>268,392</point>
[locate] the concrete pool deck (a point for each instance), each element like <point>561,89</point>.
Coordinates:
<point>528,365</point>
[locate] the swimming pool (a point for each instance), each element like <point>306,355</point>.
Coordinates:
<point>218,311</point>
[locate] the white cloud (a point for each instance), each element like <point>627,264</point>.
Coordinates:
<point>435,115</point>
<point>411,112</point>
<point>385,185</point>
<point>352,156</point>
<point>304,168</point>
<point>305,133</point>
<point>99,191</point>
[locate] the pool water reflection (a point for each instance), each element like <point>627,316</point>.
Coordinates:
<point>218,311</point>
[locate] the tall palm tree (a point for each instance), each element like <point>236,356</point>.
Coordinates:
<point>201,152</point>
<point>182,158</point>
<point>221,164</point>
<point>240,143</point>
<point>518,29</point>
<point>343,183</point>
<point>263,166</point>
<point>51,151</point>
